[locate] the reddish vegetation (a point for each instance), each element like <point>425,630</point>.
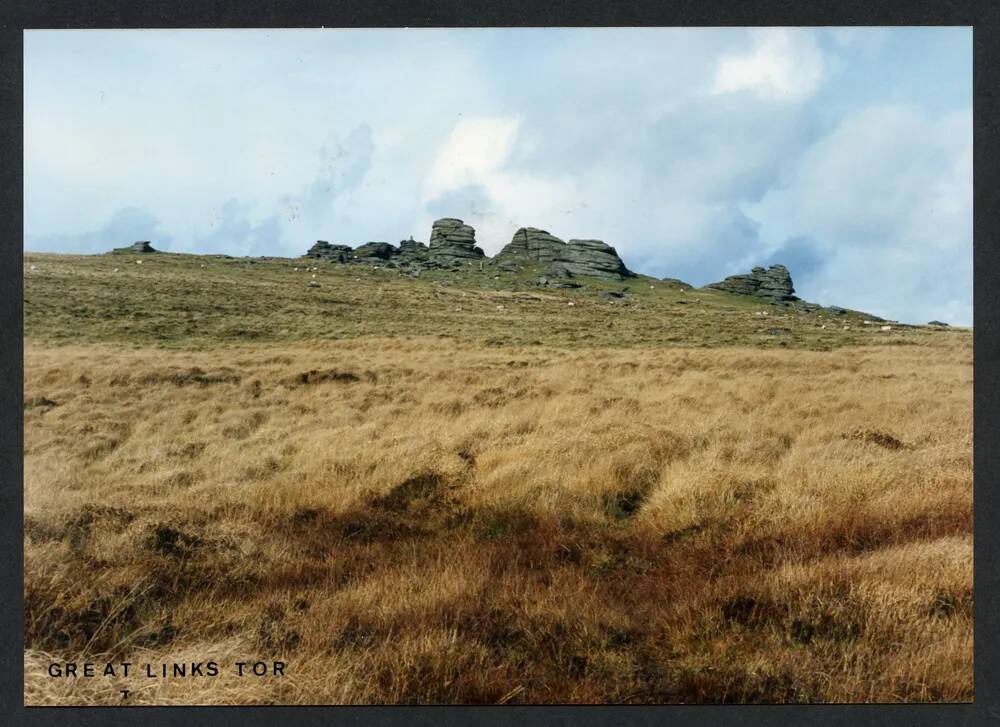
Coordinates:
<point>421,521</point>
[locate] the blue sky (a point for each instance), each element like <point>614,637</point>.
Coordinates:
<point>845,154</point>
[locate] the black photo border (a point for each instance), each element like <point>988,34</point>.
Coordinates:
<point>982,16</point>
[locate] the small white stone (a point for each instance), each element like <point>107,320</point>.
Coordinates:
<point>571,303</point>
<point>138,262</point>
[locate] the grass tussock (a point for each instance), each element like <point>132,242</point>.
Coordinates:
<point>423,521</point>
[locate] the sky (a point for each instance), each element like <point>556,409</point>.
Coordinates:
<point>843,153</point>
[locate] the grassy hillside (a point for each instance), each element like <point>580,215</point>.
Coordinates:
<point>468,491</point>
<point>197,301</point>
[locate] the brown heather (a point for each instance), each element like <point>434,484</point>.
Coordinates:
<point>418,519</point>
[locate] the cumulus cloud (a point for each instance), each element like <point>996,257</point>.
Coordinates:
<point>469,202</point>
<point>782,63</point>
<point>472,153</point>
<point>695,152</point>
<point>886,200</point>
<point>470,173</point>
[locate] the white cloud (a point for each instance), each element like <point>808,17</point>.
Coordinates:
<point>473,153</point>
<point>887,199</point>
<point>695,152</point>
<point>470,172</point>
<point>783,63</point>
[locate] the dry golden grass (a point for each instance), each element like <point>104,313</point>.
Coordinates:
<point>411,520</point>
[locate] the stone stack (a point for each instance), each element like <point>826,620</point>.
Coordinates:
<point>453,243</point>
<point>530,244</point>
<point>558,269</point>
<point>558,276</point>
<point>594,258</point>
<point>578,257</point>
<point>142,246</point>
<point>412,248</point>
<point>411,252</point>
<point>775,284</point>
<point>374,253</point>
<point>323,250</point>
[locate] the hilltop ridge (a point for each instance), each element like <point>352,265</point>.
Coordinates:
<point>453,244</point>
<point>198,301</point>
<point>551,261</point>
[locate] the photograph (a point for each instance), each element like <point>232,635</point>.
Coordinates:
<point>497,366</point>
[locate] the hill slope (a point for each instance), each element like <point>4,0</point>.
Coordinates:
<point>190,301</point>
<point>460,488</point>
